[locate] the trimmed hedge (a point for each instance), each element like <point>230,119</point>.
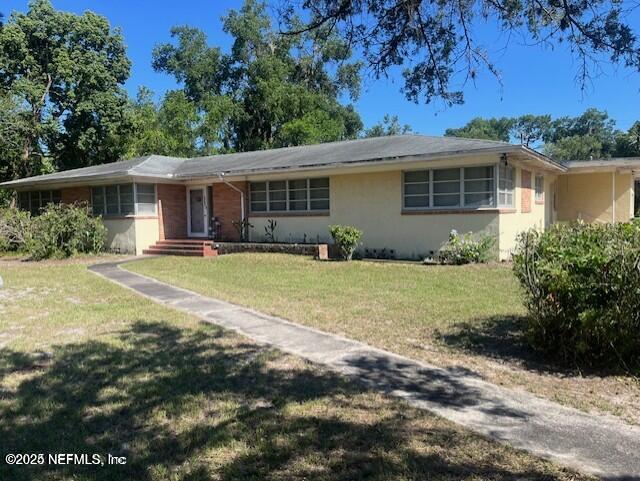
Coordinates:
<point>582,291</point>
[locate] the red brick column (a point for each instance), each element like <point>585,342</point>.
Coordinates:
<point>75,194</point>
<point>172,211</point>
<point>526,191</point>
<point>226,208</point>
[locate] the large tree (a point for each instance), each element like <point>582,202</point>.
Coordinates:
<point>589,135</point>
<point>67,72</point>
<point>436,42</point>
<point>267,90</point>
<point>168,128</point>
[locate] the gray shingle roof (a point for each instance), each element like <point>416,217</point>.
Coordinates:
<point>308,156</point>
<point>150,165</point>
<point>331,153</point>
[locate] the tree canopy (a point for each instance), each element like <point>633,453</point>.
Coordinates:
<point>590,135</point>
<point>268,90</point>
<point>62,74</point>
<point>436,43</point>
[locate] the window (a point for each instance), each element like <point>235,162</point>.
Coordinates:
<point>468,187</point>
<point>278,195</point>
<point>258,193</point>
<point>34,201</point>
<point>446,187</point>
<point>539,189</point>
<point>299,195</point>
<point>118,200</point>
<point>505,186</point>
<point>416,189</point>
<point>319,194</point>
<point>127,206</point>
<point>146,199</point>
<point>479,188</point>
<point>97,200</point>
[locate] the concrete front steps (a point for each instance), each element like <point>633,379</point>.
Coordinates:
<point>183,247</point>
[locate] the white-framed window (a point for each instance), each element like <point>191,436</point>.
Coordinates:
<point>459,187</point>
<point>539,186</point>
<point>479,186</point>
<point>506,182</point>
<point>145,199</point>
<point>446,187</point>
<point>295,195</point>
<point>123,199</point>
<point>258,196</point>
<point>35,200</point>
<point>416,189</point>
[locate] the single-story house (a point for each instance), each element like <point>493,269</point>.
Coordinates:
<point>406,193</point>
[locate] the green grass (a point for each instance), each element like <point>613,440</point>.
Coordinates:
<point>88,367</point>
<point>469,316</point>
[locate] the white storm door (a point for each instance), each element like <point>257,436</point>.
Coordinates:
<point>197,210</point>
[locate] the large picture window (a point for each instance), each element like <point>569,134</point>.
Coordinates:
<point>461,187</point>
<point>296,195</point>
<point>124,199</point>
<point>35,201</point>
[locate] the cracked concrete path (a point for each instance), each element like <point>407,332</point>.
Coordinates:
<point>599,445</point>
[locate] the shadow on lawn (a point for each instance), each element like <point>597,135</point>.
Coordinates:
<point>130,397</point>
<point>504,338</point>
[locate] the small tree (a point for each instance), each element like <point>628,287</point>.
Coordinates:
<point>346,238</point>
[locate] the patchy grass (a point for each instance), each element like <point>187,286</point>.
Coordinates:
<point>446,315</point>
<point>88,367</point>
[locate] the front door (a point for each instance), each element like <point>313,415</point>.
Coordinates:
<point>197,209</point>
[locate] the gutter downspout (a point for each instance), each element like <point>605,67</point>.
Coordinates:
<point>613,197</point>
<point>240,191</point>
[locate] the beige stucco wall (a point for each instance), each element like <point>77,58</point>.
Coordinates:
<point>513,223</point>
<point>121,235</point>
<point>147,233</point>
<point>131,235</point>
<point>590,197</point>
<point>373,203</point>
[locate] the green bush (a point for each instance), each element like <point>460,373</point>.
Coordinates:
<point>64,230</point>
<point>15,229</point>
<point>582,291</point>
<point>346,238</point>
<point>467,248</point>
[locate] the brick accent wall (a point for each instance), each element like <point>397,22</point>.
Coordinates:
<point>226,208</point>
<point>172,211</point>
<point>526,191</point>
<point>75,194</point>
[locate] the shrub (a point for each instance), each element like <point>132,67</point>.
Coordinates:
<point>64,230</point>
<point>15,229</point>
<point>467,248</point>
<point>582,291</point>
<point>346,238</point>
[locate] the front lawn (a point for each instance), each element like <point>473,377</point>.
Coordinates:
<point>469,316</point>
<point>87,367</point>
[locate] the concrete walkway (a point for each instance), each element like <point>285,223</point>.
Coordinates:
<point>592,444</point>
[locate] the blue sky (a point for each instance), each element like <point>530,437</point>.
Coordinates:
<point>535,80</point>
